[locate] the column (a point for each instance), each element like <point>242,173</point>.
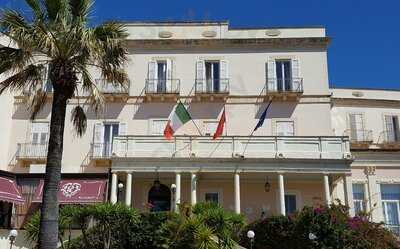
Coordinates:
<point>282,208</point>
<point>237,193</point>
<point>128,189</point>
<point>114,182</point>
<point>348,193</point>
<point>178,191</point>
<point>193,195</point>
<point>375,202</point>
<point>327,191</point>
<point>366,198</point>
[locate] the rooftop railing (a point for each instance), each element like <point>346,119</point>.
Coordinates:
<point>232,147</point>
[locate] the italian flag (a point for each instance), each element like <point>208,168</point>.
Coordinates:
<point>178,117</point>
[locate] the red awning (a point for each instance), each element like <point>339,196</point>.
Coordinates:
<point>9,191</point>
<point>76,191</point>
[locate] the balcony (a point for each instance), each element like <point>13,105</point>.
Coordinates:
<point>389,140</point>
<point>162,89</point>
<point>284,88</point>
<point>359,139</point>
<point>112,91</point>
<point>211,88</point>
<point>271,147</point>
<point>28,153</point>
<point>100,153</point>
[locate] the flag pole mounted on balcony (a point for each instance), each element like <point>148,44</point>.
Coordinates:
<point>259,124</point>
<point>178,117</point>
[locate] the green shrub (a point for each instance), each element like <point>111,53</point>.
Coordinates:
<point>332,228</point>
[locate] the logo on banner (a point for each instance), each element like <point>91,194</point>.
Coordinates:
<point>70,189</point>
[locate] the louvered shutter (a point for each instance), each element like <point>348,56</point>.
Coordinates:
<point>271,76</point>
<point>224,76</point>
<point>296,81</point>
<point>98,139</point>
<point>390,131</point>
<point>120,146</point>
<point>169,83</point>
<point>200,76</point>
<point>152,76</point>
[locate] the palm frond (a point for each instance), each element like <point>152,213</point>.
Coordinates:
<point>95,97</point>
<point>79,120</point>
<point>29,78</point>
<point>53,7</point>
<point>12,59</point>
<point>36,8</point>
<point>36,102</point>
<point>80,9</point>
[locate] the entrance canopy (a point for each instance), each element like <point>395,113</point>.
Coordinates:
<point>9,191</point>
<point>76,191</point>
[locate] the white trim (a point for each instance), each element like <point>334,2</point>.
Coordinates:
<point>219,191</point>
<point>296,193</point>
<point>275,120</point>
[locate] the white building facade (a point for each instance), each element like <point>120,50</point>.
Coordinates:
<point>306,153</point>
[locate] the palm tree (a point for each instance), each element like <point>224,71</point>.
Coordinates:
<point>55,37</point>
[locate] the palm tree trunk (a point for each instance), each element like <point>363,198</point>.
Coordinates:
<point>48,234</point>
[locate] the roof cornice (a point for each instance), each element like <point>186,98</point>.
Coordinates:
<point>305,42</point>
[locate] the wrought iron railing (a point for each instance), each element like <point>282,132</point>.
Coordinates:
<point>212,86</point>
<point>111,88</point>
<point>31,151</point>
<point>389,137</point>
<point>294,85</point>
<point>162,86</point>
<point>359,136</point>
<point>101,150</point>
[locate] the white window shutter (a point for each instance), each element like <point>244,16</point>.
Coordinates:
<point>224,75</point>
<point>389,128</point>
<point>152,76</point>
<point>119,148</point>
<point>122,129</point>
<point>271,76</point>
<point>296,81</point>
<point>169,75</point>
<point>200,75</point>
<point>98,139</point>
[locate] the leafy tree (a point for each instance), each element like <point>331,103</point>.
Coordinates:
<point>55,34</point>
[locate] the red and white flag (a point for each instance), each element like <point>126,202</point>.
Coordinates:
<point>221,125</point>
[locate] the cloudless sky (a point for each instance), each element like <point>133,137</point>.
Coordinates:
<point>365,48</point>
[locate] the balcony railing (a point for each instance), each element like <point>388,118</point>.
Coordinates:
<point>162,86</point>
<point>31,151</point>
<point>291,85</point>
<point>212,86</point>
<point>389,137</point>
<point>111,88</point>
<point>359,136</point>
<point>233,147</point>
<point>101,150</point>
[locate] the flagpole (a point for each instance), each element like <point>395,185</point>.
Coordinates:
<point>198,129</point>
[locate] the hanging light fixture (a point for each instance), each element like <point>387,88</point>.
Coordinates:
<point>267,186</point>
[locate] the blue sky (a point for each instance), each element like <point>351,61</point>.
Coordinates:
<point>365,48</point>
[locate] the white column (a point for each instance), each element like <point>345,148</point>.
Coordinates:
<point>375,202</point>
<point>348,193</point>
<point>113,195</point>
<point>237,193</point>
<point>178,191</point>
<point>281,183</point>
<point>193,196</point>
<point>128,189</point>
<point>327,191</point>
<point>367,198</point>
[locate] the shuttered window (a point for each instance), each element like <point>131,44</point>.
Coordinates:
<point>357,129</point>
<point>392,128</point>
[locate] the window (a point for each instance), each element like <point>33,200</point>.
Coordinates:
<point>159,76</point>
<point>210,127</point>
<point>290,203</point>
<point>392,128</point>
<point>284,128</point>
<point>390,194</point>
<point>104,134</point>
<point>283,74</point>
<point>212,197</point>
<point>359,198</point>
<point>39,133</point>
<point>357,132</point>
<point>212,76</point>
<point>157,126</point>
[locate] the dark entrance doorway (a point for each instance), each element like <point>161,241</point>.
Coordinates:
<point>159,197</point>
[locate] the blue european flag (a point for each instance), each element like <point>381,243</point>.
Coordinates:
<point>262,117</point>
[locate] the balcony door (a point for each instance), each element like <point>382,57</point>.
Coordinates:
<point>160,76</point>
<point>283,74</point>
<point>392,128</point>
<point>104,134</point>
<point>213,76</point>
<point>39,138</point>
